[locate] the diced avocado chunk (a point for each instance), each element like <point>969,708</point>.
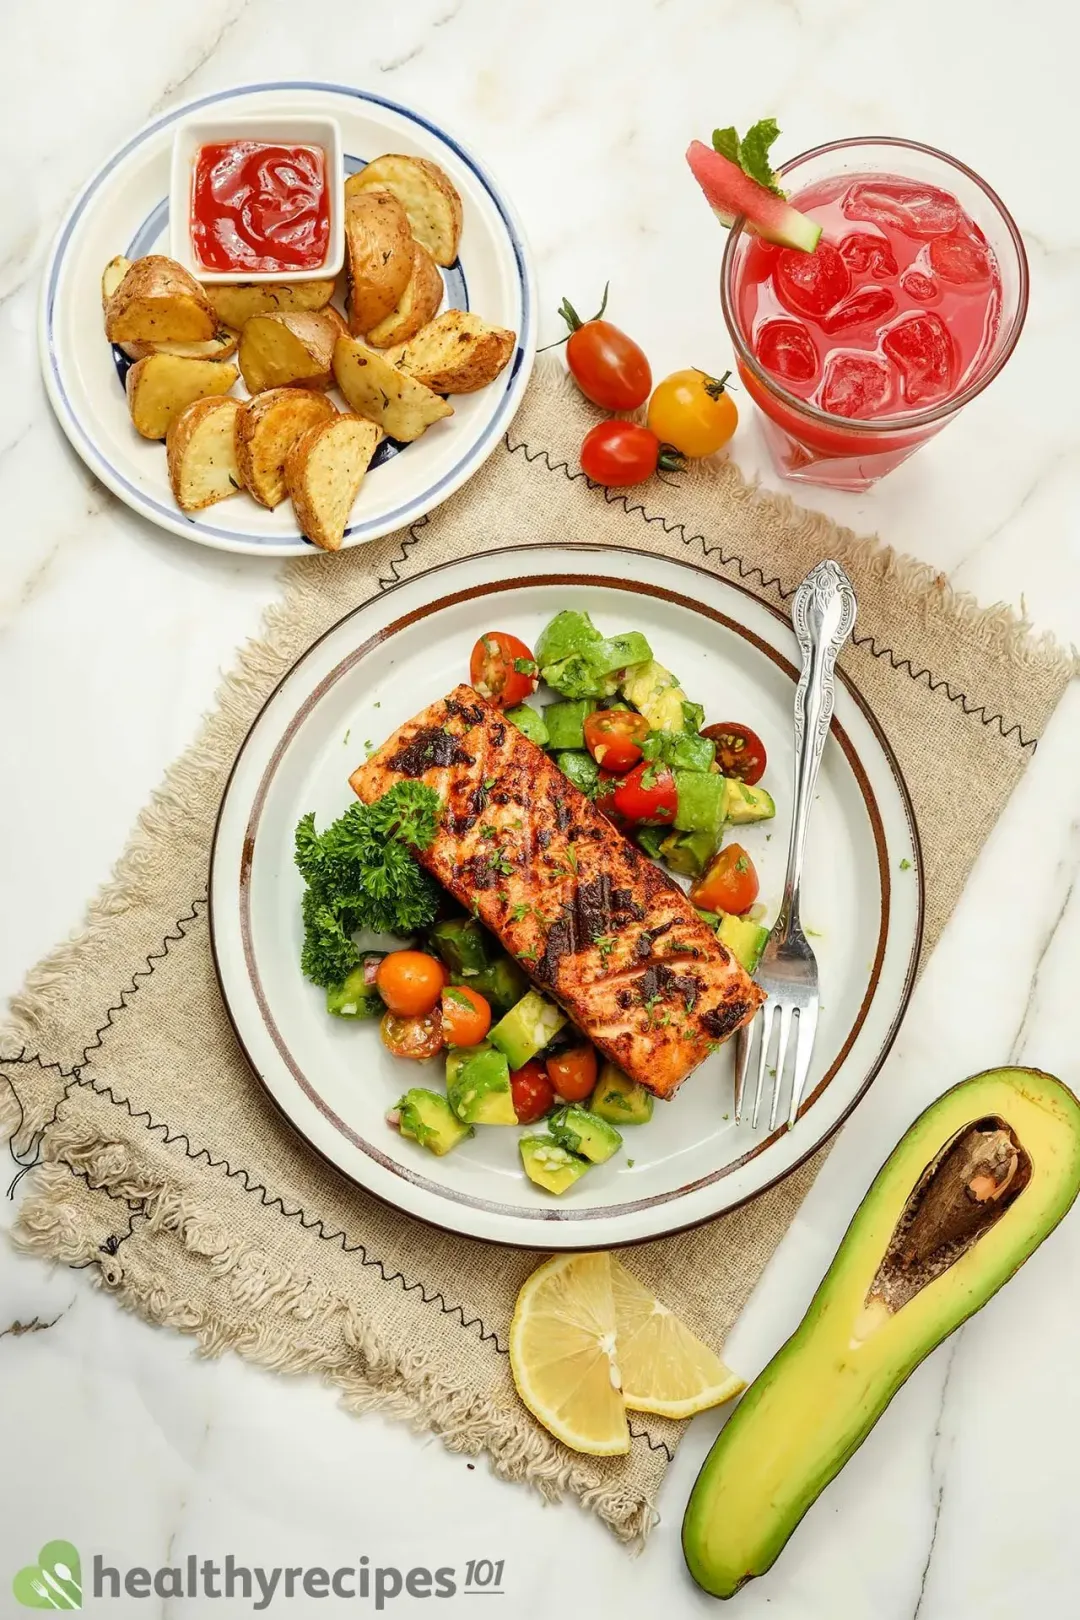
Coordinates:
<point>620,1100</point>
<point>575,677</point>
<point>747,803</point>
<point>569,632</point>
<point>530,721</point>
<point>565,723</point>
<point>619,651</point>
<point>682,750</point>
<point>465,947</point>
<point>527,1028</point>
<point>688,853</point>
<point>550,1165</point>
<point>357,997</point>
<point>702,802</point>
<point>429,1120</point>
<point>651,840</point>
<point>502,983</point>
<point>580,1131</point>
<point>478,1085</point>
<point>581,768</point>
<point>744,938</point>
<point>656,693</point>
<point>710,918</point>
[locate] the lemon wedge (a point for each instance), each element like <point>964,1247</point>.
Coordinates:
<point>663,1367</point>
<point>562,1354</point>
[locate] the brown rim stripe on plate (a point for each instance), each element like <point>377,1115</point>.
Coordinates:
<point>525,582</point>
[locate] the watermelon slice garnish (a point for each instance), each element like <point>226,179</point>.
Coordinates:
<point>738,182</point>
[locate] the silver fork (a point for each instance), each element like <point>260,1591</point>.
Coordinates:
<point>823,614</point>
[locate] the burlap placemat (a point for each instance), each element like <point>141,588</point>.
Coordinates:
<point>156,1157</point>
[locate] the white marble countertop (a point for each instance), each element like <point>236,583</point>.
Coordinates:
<point>959,1506</point>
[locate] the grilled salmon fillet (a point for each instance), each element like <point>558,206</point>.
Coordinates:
<point>593,921</point>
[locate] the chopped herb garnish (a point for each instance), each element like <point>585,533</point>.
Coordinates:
<point>489,832</point>
<point>345,740</point>
<point>521,910</point>
<point>458,997</point>
<point>742,864</point>
<point>605,944</point>
<point>629,1164</point>
<point>905,865</point>
<point>489,783</point>
<point>526,666</point>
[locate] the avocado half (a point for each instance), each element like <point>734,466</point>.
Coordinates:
<point>971,1190</point>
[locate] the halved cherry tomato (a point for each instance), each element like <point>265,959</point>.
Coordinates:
<point>608,367</point>
<point>410,982</point>
<point>416,1038</point>
<point>503,669</point>
<point>573,1072</point>
<point>740,752</point>
<point>532,1092</point>
<point>730,884</point>
<point>617,454</point>
<point>614,738</point>
<point>606,783</point>
<point>693,412</point>
<point>466,1016</point>
<point>647,797</point>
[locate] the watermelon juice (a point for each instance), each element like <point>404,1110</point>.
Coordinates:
<point>912,300</point>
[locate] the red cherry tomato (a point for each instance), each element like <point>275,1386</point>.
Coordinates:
<point>606,784</point>
<point>502,669</point>
<point>466,1016</point>
<point>532,1092</point>
<point>608,367</point>
<point>410,982</point>
<point>647,797</point>
<point>573,1073</point>
<point>617,454</point>
<point>739,751</point>
<point>415,1038</point>
<point>730,884</point>
<point>614,738</point>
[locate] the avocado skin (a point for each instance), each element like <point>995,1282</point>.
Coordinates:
<point>758,1482</point>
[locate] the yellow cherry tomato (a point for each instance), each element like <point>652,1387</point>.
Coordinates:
<point>693,412</point>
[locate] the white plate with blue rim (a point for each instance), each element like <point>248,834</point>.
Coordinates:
<point>124,209</point>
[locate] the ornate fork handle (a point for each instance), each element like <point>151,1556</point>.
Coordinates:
<point>823,614</point>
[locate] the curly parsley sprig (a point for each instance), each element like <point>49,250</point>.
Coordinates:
<point>361,874</point>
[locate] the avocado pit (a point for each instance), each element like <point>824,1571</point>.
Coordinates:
<point>960,1195</point>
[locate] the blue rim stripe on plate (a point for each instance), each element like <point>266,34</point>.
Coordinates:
<point>238,538</point>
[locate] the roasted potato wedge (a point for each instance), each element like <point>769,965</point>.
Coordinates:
<point>161,385</point>
<point>277,351</point>
<point>201,450</point>
<point>222,346</point>
<point>427,195</point>
<point>235,303</point>
<point>402,407</point>
<point>379,257</point>
<point>324,469</point>
<point>266,429</point>
<point>158,302</point>
<point>456,353</point>
<point>111,277</point>
<point>419,302</point>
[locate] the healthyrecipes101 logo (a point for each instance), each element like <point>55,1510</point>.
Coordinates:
<point>55,1581</point>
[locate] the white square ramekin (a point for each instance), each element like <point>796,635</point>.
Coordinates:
<point>286,129</point>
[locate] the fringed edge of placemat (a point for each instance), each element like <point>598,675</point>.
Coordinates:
<point>366,1375</point>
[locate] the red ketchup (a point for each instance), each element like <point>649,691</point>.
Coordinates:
<point>260,207</point>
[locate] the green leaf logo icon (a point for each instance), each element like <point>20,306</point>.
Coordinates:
<point>54,1582</point>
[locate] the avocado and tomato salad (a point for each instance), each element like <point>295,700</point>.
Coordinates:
<point>980,1179</point>
<point>623,730</point>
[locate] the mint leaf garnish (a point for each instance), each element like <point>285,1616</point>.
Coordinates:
<point>752,152</point>
<point>726,142</point>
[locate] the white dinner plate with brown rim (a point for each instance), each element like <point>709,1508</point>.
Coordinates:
<point>124,208</point>
<point>332,1078</point>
